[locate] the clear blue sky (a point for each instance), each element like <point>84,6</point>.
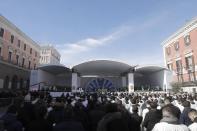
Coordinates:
<point>125,30</point>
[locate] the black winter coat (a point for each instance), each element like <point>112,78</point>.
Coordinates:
<point>151,118</point>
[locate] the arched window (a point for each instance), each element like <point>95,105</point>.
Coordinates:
<point>27,84</point>
<point>21,83</point>
<point>6,82</point>
<point>14,82</point>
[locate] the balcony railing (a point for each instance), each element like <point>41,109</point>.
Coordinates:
<point>14,63</point>
<point>179,71</point>
<point>184,84</point>
<point>190,68</point>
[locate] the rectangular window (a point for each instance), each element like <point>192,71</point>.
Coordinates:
<point>30,50</point>
<point>191,76</point>
<point>23,62</point>
<point>189,62</point>
<point>19,43</point>
<point>190,68</point>
<point>168,50</point>
<point>187,40</point>
<point>17,59</point>
<point>12,38</point>
<point>36,54</point>
<point>170,66</point>
<point>179,66</point>
<point>29,66</point>
<point>24,47</point>
<point>1,32</point>
<point>34,66</point>
<point>176,46</point>
<point>10,56</point>
<point>47,59</point>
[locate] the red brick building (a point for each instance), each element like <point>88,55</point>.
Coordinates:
<point>18,55</point>
<point>180,54</point>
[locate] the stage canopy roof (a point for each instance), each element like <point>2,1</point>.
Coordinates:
<point>102,68</point>
<point>149,69</point>
<point>55,69</point>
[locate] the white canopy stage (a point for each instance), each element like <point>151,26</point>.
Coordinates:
<point>102,68</point>
<point>102,75</point>
<point>152,77</point>
<point>50,76</point>
<point>55,69</point>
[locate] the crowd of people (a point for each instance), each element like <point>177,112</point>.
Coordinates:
<point>109,111</point>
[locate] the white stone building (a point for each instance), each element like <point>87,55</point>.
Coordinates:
<point>49,55</point>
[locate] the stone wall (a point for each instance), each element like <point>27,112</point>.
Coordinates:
<point>20,75</point>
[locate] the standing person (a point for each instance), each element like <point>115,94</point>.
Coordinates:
<point>184,118</point>
<point>40,123</point>
<point>167,101</point>
<point>10,122</point>
<point>116,119</point>
<point>69,123</point>
<point>170,120</point>
<point>152,117</point>
<point>193,116</point>
<point>136,117</point>
<point>145,109</point>
<point>56,114</point>
<point>26,111</point>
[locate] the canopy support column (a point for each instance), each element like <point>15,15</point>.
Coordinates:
<point>74,82</point>
<point>130,82</point>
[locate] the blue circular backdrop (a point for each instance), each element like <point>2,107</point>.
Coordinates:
<point>99,83</point>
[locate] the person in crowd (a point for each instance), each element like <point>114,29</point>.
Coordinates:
<point>26,111</point>
<point>136,117</point>
<point>69,123</point>
<point>133,101</point>
<point>10,121</point>
<point>170,120</point>
<point>184,118</point>
<point>102,111</point>
<point>152,117</point>
<point>56,115</point>
<point>193,116</point>
<point>116,119</point>
<point>81,115</point>
<point>145,108</point>
<point>167,101</point>
<point>178,103</point>
<point>160,104</point>
<point>95,114</point>
<point>40,123</point>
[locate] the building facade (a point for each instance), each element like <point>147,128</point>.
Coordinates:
<point>49,55</point>
<point>18,55</point>
<point>180,54</point>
